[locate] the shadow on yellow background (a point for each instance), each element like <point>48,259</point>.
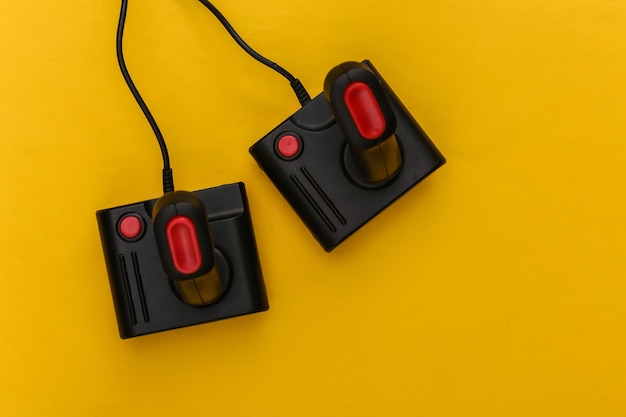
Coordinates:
<point>494,288</point>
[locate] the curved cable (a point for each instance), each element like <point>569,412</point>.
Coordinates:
<point>296,85</point>
<point>168,180</point>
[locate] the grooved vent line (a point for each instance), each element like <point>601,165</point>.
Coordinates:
<point>129,297</point>
<point>142,294</point>
<point>313,203</point>
<point>324,196</point>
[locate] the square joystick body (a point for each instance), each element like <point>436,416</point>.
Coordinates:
<point>151,291</point>
<point>347,154</point>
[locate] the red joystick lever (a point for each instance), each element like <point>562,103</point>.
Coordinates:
<point>185,244</point>
<point>362,110</point>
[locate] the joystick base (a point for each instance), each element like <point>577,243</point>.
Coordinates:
<point>325,193</point>
<point>144,299</point>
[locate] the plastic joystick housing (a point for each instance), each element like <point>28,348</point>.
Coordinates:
<point>358,150</point>
<point>203,266</point>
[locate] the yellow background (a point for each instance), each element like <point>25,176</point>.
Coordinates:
<point>494,288</point>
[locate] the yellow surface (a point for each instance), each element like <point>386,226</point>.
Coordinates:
<point>494,288</point>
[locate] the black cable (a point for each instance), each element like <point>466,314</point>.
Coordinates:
<point>168,180</point>
<point>296,85</point>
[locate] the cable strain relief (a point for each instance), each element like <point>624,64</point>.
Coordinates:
<point>168,180</point>
<point>301,93</point>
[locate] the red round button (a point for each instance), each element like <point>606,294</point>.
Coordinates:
<point>288,146</point>
<point>130,226</point>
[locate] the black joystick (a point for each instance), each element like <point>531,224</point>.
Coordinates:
<point>362,110</point>
<point>185,245</point>
<point>347,154</point>
<point>185,258</point>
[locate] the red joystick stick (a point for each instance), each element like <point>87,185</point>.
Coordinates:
<point>360,105</point>
<point>185,245</point>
